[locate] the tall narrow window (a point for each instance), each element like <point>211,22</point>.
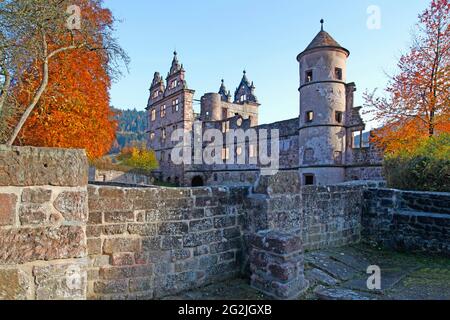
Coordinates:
<point>339,117</point>
<point>309,116</point>
<point>174,84</point>
<point>243,98</point>
<point>153,114</point>
<point>152,136</point>
<point>163,133</point>
<point>338,73</point>
<point>309,76</point>
<point>163,111</point>
<point>175,105</point>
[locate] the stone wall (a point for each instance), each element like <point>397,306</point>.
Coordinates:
<point>153,242</point>
<point>43,214</point>
<point>323,216</point>
<point>407,221</point>
<point>96,175</point>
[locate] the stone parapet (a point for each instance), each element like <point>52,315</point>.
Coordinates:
<point>277,264</point>
<point>43,216</point>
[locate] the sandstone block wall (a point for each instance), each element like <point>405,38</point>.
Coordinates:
<point>324,217</point>
<point>277,264</point>
<point>407,221</point>
<point>43,215</point>
<point>147,243</point>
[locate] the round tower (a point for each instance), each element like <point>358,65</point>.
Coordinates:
<point>211,107</point>
<point>322,111</point>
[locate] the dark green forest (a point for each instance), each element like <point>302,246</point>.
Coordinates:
<point>132,127</point>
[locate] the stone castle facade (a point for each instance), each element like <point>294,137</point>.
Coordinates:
<point>324,144</point>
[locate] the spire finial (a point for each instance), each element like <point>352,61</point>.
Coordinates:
<point>322,22</point>
<point>245,71</point>
<point>175,53</point>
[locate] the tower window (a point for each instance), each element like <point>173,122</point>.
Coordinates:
<point>339,116</point>
<point>153,114</point>
<point>174,84</point>
<point>309,179</point>
<point>175,105</point>
<point>163,111</point>
<point>309,76</point>
<point>243,98</point>
<point>155,94</point>
<point>338,73</point>
<point>163,134</point>
<point>310,116</point>
<point>152,136</point>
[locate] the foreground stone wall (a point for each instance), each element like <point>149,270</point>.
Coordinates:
<point>407,221</point>
<point>43,214</point>
<point>149,243</point>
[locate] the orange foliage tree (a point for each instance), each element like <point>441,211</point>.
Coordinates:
<point>65,88</point>
<point>417,105</point>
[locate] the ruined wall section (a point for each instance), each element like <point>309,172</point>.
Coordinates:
<point>407,221</point>
<point>147,243</point>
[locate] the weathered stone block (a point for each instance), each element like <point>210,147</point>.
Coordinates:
<point>118,245</point>
<point>144,230</point>
<point>277,242</point>
<point>32,214</point>
<point>116,229</point>
<point>281,183</point>
<point>61,281</point>
<point>73,205</point>
<point>27,166</point>
<point>111,287</point>
<point>127,272</point>
<point>141,285</point>
<point>201,225</point>
<point>36,196</point>
<point>119,217</point>
<point>94,246</point>
<point>7,209</point>
<point>173,228</point>
<point>33,244</point>
<point>14,284</point>
<point>122,259</point>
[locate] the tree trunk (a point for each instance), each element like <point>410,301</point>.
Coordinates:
<point>5,90</point>
<point>33,104</point>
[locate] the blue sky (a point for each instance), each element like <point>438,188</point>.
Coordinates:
<point>218,39</point>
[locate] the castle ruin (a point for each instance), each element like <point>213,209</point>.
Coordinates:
<point>324,144</point>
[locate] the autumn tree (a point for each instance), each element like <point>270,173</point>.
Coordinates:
<point>56,74</point>
<point>417,103</point>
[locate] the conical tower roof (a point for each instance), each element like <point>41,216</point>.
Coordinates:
<point>323,40</point>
